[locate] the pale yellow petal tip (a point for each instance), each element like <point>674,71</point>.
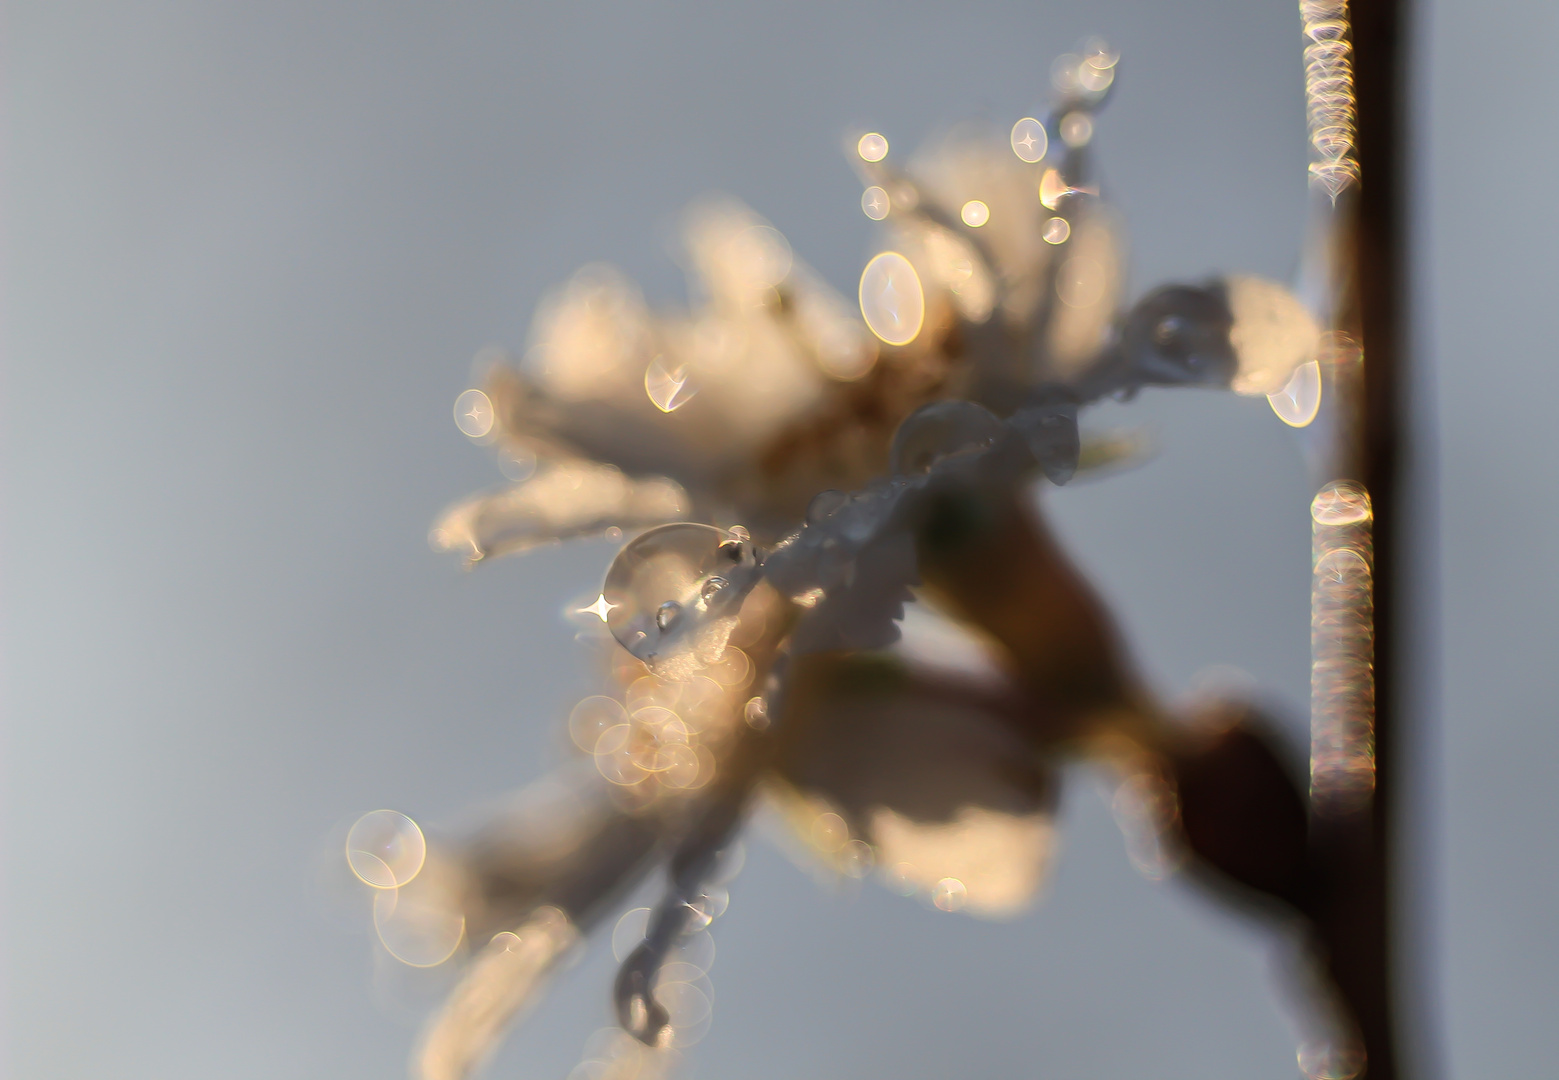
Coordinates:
<point>1272,335</point>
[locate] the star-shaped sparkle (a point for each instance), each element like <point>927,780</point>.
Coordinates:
<point>599,609</point>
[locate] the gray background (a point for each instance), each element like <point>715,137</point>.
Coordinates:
<point>252,248</point>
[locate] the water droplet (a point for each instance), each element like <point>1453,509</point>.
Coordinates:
<point>712,585</point>
<point>1096,72</point>
<point>1098,54</point>
<point>939,431</point>
<point>1324,1059</point>
<point>697,949</point>
<point>474,413</point>
<point>1029,140</point>
<point>517,464</point>
<point>591,718</point>
<point>975,213</point>
<point>669,389</point>
<point>892,302</point>
<point>1080,282</point>
<point>949,894</point>
<point>1077,127</point>
<point>872,147</point>
<point>679,766</point>
<point>857,858</point>
<point>420,927</point>
<point>1298,403</point>
<point>688,1009</point>
<point>629,932</point>
<point>829,832</point>
<point>666,615</point>
<point>1056,231</point>
<point>1063,72</point>
<point>733,670</point>
<point>824,505</point>
<point>648,690</point>
<point>730,864</point>
<point>756,713</point>
<point>385,849</point>
<point>1341,503</point>
<point>1051,433</point>
<point>875,203</point>
<point>614,756</point>
<point>659,610</point>
<point>701,697</point>
<point>714,902</point>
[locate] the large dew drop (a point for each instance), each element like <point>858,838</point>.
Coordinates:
<point>892,302</point>
<point>674,594</point>
<point>1298,403</point>
<point>941,430</point>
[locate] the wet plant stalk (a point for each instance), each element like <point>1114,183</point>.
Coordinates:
<point>1354,846</point>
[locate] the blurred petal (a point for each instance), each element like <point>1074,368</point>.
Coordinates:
<point>591,338</point>
<point>1273,334</point>
<point>1087,287</point>
<point>500,982</point>
<point>563,842</point>
<point>927,773</point>
<point>998,859</point>
<point>563,500</point>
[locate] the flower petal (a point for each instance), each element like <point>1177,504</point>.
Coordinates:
<point>500,983</point>
<point>928,773</point>
<point>563,500</point>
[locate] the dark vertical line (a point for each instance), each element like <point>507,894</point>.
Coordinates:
<point>1357,922</point>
